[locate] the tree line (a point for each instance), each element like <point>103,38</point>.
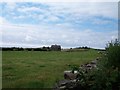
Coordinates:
<point>52,48</point>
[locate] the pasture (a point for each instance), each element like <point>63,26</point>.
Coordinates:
<point>39,69</point>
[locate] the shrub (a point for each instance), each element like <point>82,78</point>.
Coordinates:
<point>107,74</point>
<point>113,54</point>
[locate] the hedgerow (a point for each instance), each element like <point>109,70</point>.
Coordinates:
<point>107,74</point>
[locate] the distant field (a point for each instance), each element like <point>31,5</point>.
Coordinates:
<point>35,69</point>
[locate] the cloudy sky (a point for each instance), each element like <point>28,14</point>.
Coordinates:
<point>35,24</point>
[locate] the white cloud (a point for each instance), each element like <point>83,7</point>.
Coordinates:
<point>59,1</point>
<point>61,33</point>
<point>71,11</point>
<point>99,21</point>
<point>28,38</point>
<point>11,5</point>
<point>3,21</point>
<point>36,36</point>
<point>19,17</point>
<point>28,9</point>
<point>51,18</point>
<point>108,9</point>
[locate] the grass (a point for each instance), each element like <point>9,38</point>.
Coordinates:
<point>0,69</point>
<point>34,69</point>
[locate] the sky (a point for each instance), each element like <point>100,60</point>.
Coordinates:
<point>69,24</point>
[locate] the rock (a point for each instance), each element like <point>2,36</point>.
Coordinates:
<point>71,78</point>
<point>93,62</point>
<point>69,75</point>
<point>65,84</point>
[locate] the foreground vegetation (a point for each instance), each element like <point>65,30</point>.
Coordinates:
<point>107,74</point>
<point>39,69</point>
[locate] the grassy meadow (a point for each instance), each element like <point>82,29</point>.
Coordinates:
<point>39,69</point>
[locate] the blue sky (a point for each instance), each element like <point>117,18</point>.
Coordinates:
<point>35,24</point>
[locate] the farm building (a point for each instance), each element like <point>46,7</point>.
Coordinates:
<point>55,47</point>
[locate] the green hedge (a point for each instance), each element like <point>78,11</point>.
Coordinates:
<point>107,74</point>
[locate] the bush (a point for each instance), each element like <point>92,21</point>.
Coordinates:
<point>107,74</point>
<point>113,53</point>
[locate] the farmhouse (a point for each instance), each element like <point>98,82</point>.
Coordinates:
<point>55,47</point>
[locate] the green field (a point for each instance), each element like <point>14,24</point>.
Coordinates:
<point>39,69</point>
